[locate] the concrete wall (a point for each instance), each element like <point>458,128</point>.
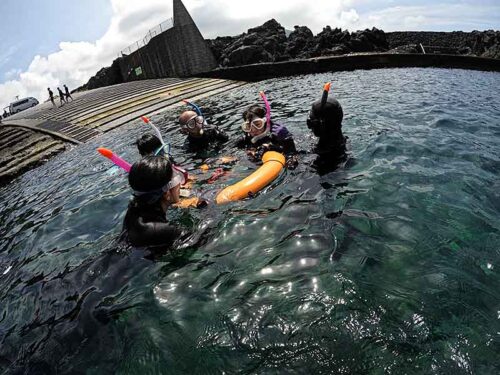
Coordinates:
<point>262,71</point>
<point>179,51</point>
<point>170,54</point>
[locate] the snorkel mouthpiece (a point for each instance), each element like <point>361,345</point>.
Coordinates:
<point>324,98</point>
<point>268,118</point>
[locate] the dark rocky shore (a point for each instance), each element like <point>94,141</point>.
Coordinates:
<point>270,43</point>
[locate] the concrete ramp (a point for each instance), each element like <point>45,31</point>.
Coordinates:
<point>101,110</point>
<point>32,136</point>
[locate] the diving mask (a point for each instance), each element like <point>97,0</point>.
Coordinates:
<point>256,123</point>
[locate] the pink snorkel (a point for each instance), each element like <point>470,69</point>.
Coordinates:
<point>268,118</point>
<point>115,158</point>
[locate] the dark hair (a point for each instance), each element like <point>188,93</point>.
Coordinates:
<point>150,174</point>
<point>255,110</point>
<point>148,144</point>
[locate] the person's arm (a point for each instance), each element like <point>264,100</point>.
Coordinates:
<point>241,142</point>
<point>288,146</point>
<point>153,234</point>
<point>220,135</point>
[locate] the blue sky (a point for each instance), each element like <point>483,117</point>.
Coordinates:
<point>51,42</point>
<point>30,28</point>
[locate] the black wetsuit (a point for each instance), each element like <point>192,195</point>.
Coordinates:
<point>331,152</point>
<point>279,139</point>
<point>148,226</point>
<point>210,135</point>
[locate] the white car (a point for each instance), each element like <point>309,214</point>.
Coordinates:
<point>22,104</point>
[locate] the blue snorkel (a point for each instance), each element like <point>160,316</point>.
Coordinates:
<point>198,112</point>
<point>194,106</point>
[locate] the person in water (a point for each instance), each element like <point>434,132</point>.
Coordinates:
<point>325,121</point>
<point>156,186</point>
<point>199,133</point>
<point>148,144</point>
<point>262,134</point>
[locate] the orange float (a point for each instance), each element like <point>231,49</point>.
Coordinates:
<point>273,164</point>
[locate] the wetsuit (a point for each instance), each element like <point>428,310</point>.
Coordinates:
<point>331,152</point>
<point>210,135</point>
<point>279,139</point>
<point>148,226</point>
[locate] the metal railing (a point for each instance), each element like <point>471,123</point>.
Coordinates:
<point>157,30</point>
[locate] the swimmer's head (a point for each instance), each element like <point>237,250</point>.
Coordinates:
<point>254,120</point>
<point>148,144</point>
<point>191,123</point>
<point>325,118</point>
<point>150,178</point>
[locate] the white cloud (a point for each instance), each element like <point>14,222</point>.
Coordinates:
<point>75,62</point>
<point>350,17</point>
<point>433,17</point>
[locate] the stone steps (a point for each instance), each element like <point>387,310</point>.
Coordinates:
<point>155,104</point>
<point>27,150</point>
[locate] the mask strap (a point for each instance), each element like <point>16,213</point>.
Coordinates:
<point>162,147</point>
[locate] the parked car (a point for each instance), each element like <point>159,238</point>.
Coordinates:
<point>22,104</point>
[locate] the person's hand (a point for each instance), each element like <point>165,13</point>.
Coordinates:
<point>202,203</point>
<point>261,150</point>
<point>292,162</point>
<point>251,154</point>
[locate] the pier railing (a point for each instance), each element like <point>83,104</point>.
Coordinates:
<point>157,30</point>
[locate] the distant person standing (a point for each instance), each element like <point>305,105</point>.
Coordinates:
<point>61,96</point>
<point>68,95</point>
<point>51,95</point>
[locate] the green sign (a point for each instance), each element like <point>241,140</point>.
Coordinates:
<point>138,71</point>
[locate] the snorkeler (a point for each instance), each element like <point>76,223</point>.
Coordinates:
<point>325,120</point>
<point>156,186</point>
<point>199,133</point>
<point>148,144</point>
<point>262,134</point>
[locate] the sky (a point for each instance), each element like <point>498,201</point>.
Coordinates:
<point>54,42</point>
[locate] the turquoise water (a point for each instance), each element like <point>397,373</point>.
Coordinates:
<point>389,264</point>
